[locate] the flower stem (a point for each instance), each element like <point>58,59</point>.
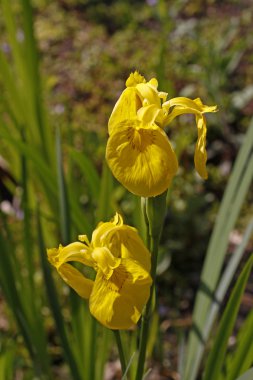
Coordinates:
<point>120,350</point>
<point>155,212</point>
<point>147,314</point>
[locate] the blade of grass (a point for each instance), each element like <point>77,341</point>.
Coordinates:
<point>32,66</point>
<point>220,294</point>
<point>241,359</point>
<point>247,375</point>
<point>88,170</point>
<point>7,281</point>
<point>217,354</point>
<point>54,304</point>
<point>104,210</point>
<point>76,303</point>
<point>233,198</point>
<point>64,215</point>
<point>103,347</point>
<point>6,365</point>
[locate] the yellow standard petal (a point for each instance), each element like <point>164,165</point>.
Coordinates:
<point>117,302</point>
<point>134,79</point>
<point>141,158</point>
<point>122,241</point>
<point>126,108</point>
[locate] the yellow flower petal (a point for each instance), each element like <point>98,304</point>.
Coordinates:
<point>132,247</point>
<point>117,303</point>
<point>149,94</point>
<point>77,281</point>
<point>106,262</point>
<point>134,79</point>
<point>150,114</point>
<point>200,156</point>
<point>59,257</point>
<point>141,158</point>
<point>122,241</point>
<point>184,106</point>
<point>72,252</point>
<point>125,108</point>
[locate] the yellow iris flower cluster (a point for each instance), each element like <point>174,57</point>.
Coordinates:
<point>141,157</point>
<point>121,262</point>
<point>138,151</point>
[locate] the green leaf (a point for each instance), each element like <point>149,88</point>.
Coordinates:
<point>222,288</point>
<point>232,201</point>
<point>216,356</point>
<point>90,173</point>
<point>247,375</point>
<point>54,303</point>
<point>241,359</point>
<point>63,198</point>
<point>105,210</point>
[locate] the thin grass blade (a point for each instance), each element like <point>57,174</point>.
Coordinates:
<point>247,375</point>
<point>241,359</point>
<point>216,356</point>
<point>235,193</point>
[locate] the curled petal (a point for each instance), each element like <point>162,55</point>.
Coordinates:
<point>106,262</point>
<point>117,303</point>
<point>122,241</point>
<point>141,158</point>
<point>59,257</point>
<point>151,114</point>
<point>184,106</point>
<point>149,94</point>
<point>200,156</point>
<point>82,285</point>
<point>72,252</point>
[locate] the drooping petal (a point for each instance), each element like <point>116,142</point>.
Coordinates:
<point>72,252</point>
<point>125,108</point>
<point>117,303</point>
<point>76,280</point>
<point>141,158</point>
<point>59,257</point>
<point>184,106</point>
<point>200,155</point>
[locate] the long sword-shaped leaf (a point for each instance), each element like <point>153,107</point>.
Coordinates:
<point>220,293</point>
<point>216,357</point>
<point>235,193</point>
<point>241,359</point>
<point>90,173</point>
<point>55,307</point>
<point>247,375</point>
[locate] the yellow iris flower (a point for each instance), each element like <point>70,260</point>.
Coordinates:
<point>122,263</point>
<point>138,151</point>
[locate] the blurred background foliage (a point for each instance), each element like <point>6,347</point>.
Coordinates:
<point>200,48</point>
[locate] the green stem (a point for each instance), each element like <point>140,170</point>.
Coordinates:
<point>121,352</point>
<point>148,311</point>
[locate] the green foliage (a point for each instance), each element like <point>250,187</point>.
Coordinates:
<point>217,354</point>
<point>55,101</point>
